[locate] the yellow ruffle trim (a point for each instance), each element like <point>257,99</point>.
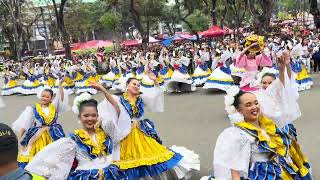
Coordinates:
<point>298,158</point>
<point>137,149</point>
<point>96,148</point>
<point>52,113</point>
<point>275,141</point>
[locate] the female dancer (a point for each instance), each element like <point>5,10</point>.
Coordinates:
<point>10,86</point>
<point>138,150</point>
<point>256,147</point>
<point>85,154</point>
<point>37,126</point>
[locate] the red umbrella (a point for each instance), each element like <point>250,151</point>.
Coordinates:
<point>213,31</point>
<point>91,44</point>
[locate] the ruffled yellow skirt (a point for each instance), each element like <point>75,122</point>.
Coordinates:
<point>138,149</point>
<point>40,142</point>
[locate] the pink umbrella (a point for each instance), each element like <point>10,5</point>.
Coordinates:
<point>213,31</point>
<point>131,42</point>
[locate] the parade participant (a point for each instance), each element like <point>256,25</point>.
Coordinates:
<point>141,61</point>
<point>165,71</point>
<point>252,62</point>
<point>37,126</point>
<point>303,79</point>
<point>10,86</point>
<point>181,80</point>
<point>90,74</point>
<point>220,78</point>
<point>85,154</point>
<point>9,168</point>
<point>256,147</point>
<point>113,75</point>
<point>32,85</point>
<point>146,83</point>
<point>120,84</point>
<point>138,150</point>
<point>202,71</point>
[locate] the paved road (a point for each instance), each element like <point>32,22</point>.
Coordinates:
<point>194,120</point>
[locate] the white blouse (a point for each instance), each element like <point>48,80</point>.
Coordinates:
<point>27,119</point>
<point>55,160</point>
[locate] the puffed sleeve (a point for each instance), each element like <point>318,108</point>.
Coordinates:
<point>61,106</point>
<point>55,161</point>
<point>241,61</point>
<point>264,60</point>
<point>24,121</point>
<point>279,102</point>
<point>116,125</point>
<point>154,100</point>
<point>232,151</point>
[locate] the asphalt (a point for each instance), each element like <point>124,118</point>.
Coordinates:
<point>195,120</point>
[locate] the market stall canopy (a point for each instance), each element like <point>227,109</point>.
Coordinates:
<point>151,40</point>
<point>131,42</point>
<point>91,44</point>
<point>213,31</point>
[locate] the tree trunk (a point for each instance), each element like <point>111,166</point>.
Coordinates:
<point>213,12</point>
<point>314,10</point>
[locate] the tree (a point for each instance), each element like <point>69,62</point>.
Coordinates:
<point>199,21</point>
<point>314,10</point>
<point>59,14</point>
<point>16,23</point>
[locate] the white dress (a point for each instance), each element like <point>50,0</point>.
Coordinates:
<point>180,75</point>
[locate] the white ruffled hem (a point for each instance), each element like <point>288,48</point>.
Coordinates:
<point>11,91</point>
<point>216,86</point>
<point>88,90</point>
<point>304,86</point>
<point>199,81</point>
<point>30,91</point>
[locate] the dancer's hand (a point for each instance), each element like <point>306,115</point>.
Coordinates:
<point>96,86</point>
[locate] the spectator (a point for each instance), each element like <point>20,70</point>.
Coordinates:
<point>316,60</point>
<point>9,169</point>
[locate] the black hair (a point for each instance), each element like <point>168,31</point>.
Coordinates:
<point>237,97</point>
<point>130,79</point>
<point>88,103</point>
<point>49,91</point>
<point>269,74</point>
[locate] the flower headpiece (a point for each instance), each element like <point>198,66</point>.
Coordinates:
<point>78,100</point>
<point>233,114</point>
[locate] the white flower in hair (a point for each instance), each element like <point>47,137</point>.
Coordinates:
<point>77,101</point>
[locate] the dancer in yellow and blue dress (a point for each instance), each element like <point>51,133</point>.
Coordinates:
<point>84,154</point>
<point>256,147</point>
<point>303,79</point>
<point>10,84</point>
<point>146,83</point>
<point>37,126</point>
<point>90,74</point>
<point>111,76</point>
<point>32,85</point>
<point>138,150</point>
<point>202,71</point>
<point>165,70</point>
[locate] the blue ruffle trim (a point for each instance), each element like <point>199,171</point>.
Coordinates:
<point>31,87</point>
<point>148,128</point>
<point>225,70</point>
<point>22,164</point>
<point>140,70</point>
<point>88,149</point>
<point>265,171</point>
<point>220,82</point>
<point>306,80</point>
<point>111,172</point>
<point>154,170</point>
<point>164,70</point>
<point>183,69</point>
<point>56,132</point>
<point>290,130</point>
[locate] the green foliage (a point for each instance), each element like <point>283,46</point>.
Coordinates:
<point>199,21</point>
<point>110,20</point>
